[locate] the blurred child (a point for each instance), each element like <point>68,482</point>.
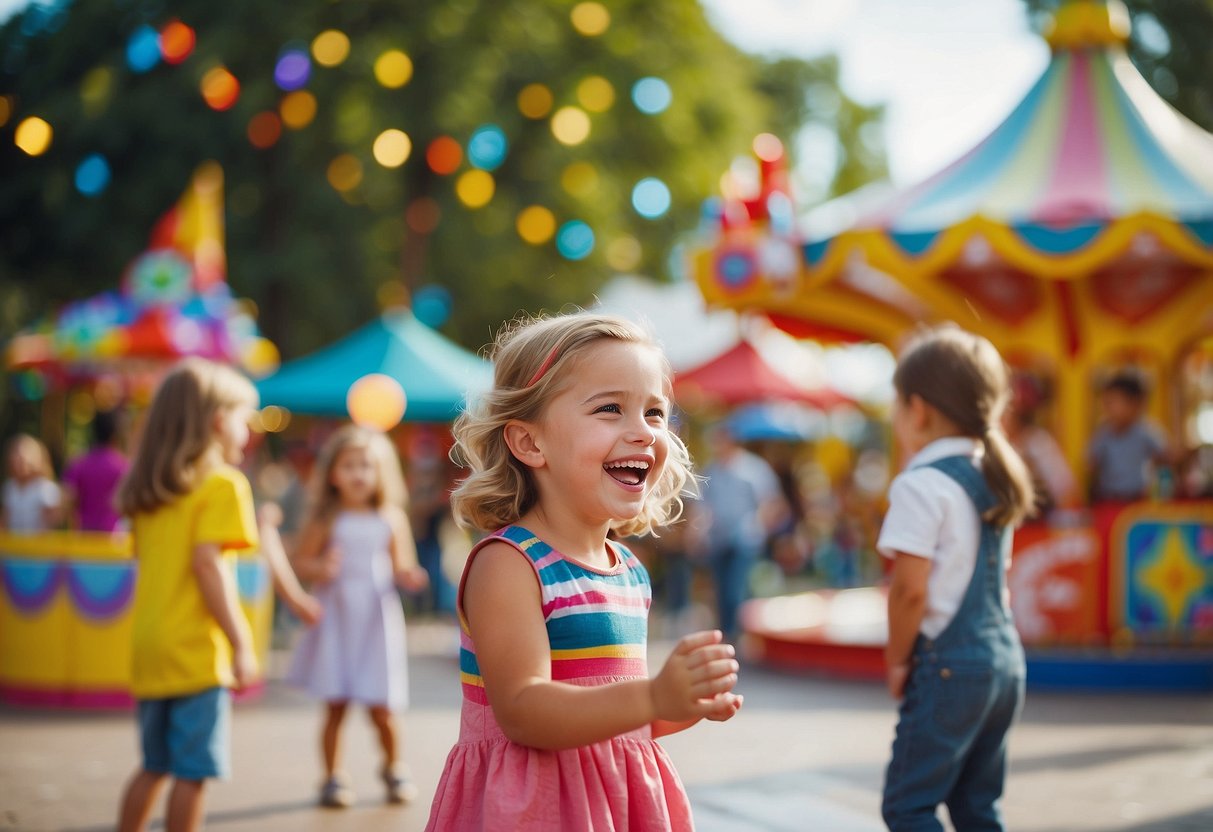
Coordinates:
<point>1125,447</point>
<point>355,548</point>
<point>953,657</point>
<point>91,480</point>
<point>570,446</point>
<point>191,511</point>
<point>1052,478</point>
<point>31,498</point>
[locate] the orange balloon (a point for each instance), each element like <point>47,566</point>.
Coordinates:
<point>376,401</point>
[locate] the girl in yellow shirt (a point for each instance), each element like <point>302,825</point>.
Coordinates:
<point>191,512</point>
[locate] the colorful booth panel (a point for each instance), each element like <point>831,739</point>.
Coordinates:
<point>65,617</point>
<point>1057,586</point>
<point>1161,562</point>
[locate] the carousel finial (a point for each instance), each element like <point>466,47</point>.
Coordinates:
<point>1088,24</point>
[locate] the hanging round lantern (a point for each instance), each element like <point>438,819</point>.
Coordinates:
<point>376,401</point>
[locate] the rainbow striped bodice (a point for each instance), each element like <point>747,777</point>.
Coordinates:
<point>597,621</point>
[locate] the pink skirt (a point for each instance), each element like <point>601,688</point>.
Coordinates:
<point>489,783</point>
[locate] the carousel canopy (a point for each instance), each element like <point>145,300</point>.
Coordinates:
<point>1082,223</point>
<point>435,373</point>
<point>1088,158</point>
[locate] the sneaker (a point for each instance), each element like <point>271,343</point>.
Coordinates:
<point>400,789</point>
<point>336,793</point>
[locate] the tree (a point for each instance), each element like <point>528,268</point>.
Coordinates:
<point>317,229</point>
<point>1169,45</point>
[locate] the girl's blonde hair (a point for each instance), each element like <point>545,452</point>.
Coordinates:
<point>533,358</point>
<point>963,377</point>
<point>35,449</point>
<point>178,444</point>
<point>325,500</point>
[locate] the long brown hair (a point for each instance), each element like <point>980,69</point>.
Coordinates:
<point>963,377</point>
<point>178,445</point>
<point>325,500</point>
<point>532,358</point>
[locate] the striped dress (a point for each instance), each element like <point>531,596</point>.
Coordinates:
<point>597,624</point>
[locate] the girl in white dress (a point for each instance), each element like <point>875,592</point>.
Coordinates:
<point>356,548</point>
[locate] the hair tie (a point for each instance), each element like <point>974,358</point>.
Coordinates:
<point>543,368</point>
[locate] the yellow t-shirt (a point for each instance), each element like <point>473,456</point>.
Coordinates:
<point>177,646</point>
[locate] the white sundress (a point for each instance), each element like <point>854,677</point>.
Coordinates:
<point>357,651</point>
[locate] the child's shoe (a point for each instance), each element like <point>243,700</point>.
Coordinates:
<point>336,793</point>
<point>400,789</point>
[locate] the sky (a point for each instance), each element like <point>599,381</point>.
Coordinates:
<point>947,71</point>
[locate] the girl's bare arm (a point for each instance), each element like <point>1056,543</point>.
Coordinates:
<point>907,606</point>
<point>286,582</point>
<point>503,606</point>
<point>219,593</point>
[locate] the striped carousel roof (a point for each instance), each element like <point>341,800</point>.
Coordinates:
<point>1090,141</point>
<point>1089,147</point>
<point>1084,220</point>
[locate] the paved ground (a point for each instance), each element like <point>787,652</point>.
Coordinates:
<point>804,754</point>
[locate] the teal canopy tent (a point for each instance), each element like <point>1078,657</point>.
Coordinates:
<point>435,373</point>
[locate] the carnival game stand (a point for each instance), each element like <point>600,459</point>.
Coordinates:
<point>65,618</point>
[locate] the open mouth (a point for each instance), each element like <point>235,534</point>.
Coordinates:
<point>628,471</point>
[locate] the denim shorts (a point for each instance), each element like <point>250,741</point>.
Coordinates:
<point>187,736</point>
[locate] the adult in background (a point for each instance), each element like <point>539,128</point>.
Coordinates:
<point>91,480</point>
<point>740,506</point>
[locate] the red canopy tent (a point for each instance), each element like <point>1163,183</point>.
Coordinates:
<point>740,375</point>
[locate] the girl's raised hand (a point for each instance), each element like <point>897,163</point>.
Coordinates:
<point>725,706</point>
<point>695,675</point>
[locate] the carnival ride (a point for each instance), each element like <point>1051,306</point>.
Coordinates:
<point>65,597</point>
<point>173,301</point>
<point>1077,237</point>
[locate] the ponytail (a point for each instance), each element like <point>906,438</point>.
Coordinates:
<point>1008,477</point>
<point>963,377</point>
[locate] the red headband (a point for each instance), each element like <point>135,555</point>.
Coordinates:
<point>544,367</point>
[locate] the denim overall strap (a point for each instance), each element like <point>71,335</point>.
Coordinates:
<point>982,611</point>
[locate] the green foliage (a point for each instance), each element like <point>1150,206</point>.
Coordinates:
<point>1170,47</point>
<point>315,259</point>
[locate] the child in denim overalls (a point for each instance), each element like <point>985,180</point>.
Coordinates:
<point>953,657</point>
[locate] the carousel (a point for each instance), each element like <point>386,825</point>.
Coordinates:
<point>65,597</point>
<point>1078,238</point>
